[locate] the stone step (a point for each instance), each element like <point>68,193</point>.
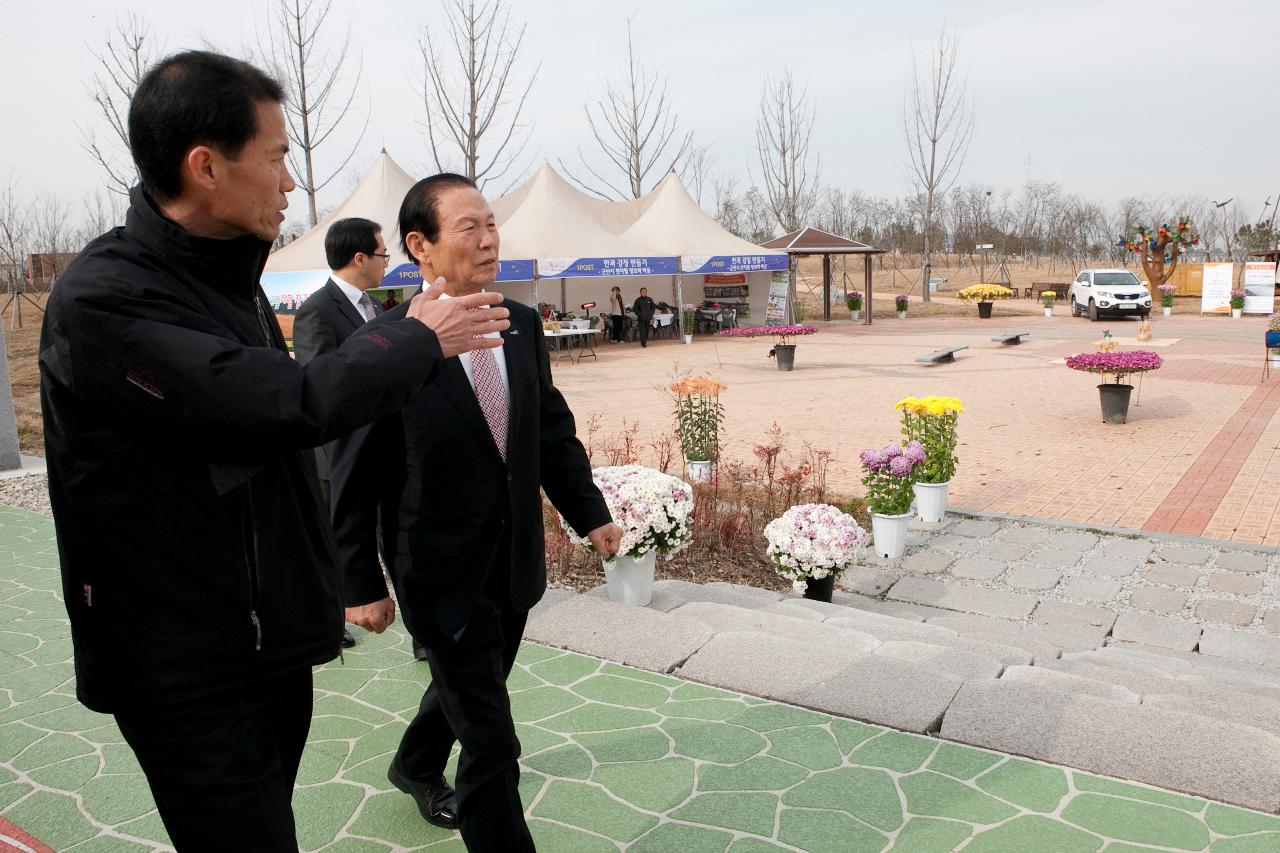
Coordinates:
<point>722,618</point>
<point>1161,746</point>
<point>1204,676</point>
<point>635,636</point>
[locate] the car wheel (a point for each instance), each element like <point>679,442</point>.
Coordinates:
<point>1093,311</point>
<point>1075,306</point>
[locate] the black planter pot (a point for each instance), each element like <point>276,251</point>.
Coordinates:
<point>1115,402</point>
<point>786,355</point>
<point>820,590</point>
<point>984,310</point>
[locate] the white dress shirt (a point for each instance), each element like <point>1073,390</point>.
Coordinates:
<point>465,358</point>
<point>349,290</point>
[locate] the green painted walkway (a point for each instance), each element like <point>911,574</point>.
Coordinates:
<point>615,759</point>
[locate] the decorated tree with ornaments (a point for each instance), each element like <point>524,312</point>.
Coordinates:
<point>1158,248</point>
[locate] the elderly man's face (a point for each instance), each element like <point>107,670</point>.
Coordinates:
<point>466,253</point>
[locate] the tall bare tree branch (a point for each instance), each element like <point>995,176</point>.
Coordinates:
<point>125,55</point>
<point>937,122</point>
<point>789,172</point>
<point>469,88</point>
<point>318,96</point>
<point>635,129</point>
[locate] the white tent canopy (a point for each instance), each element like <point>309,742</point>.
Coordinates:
<point>377,197</point>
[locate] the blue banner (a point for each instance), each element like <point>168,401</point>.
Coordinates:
<point>592,267</point>
<point>733,263</point>
<point>407,275</point>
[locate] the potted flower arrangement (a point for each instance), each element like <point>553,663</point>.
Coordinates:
<point>890,471</point>
<point>782,349</point>
<point>1273,339</point>
<point>688,316</point>
<point>1166,298</point>
<point>900,303</point>
<point>1237,302</point>
<point>811,545</point>
<point>699,415</point>
<point>984,294</point>
<point>853,300</point>
<point>931,423</point>
<point>1115,394</point>
<point>1048,297</point>
<point>653,509</point>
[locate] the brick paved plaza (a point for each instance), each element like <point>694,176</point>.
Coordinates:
<point>1197,458</point>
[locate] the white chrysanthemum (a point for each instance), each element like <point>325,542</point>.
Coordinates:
<point>813,540</point>
<point>651,507</point>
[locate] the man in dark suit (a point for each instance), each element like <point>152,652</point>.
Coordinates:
<point>644,310</point>
<point>464,462</point>
<point>357,256</point>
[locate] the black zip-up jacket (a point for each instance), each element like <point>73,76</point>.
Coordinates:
<point>194,548</point>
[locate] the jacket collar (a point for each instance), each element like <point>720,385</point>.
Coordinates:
<point>233,265</point>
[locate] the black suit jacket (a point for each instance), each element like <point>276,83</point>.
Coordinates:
<point>324,321</point>
<point>447,494</point>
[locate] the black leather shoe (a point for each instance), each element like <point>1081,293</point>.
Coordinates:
<point>435,800</point>
<point>347,640</point>
<point>419,651</point>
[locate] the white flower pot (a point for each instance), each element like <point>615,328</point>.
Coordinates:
<point>931,500</point>
<point>889,534</point>
<point>699,471</point>
<point>1236,312</point>
<point>629,580</point>
<point>853,315</point>
<point>688,339</point>
<point>1048,312</point>
<point>1167,311</point>
<point>1273,356</point>
<point>902,315</point>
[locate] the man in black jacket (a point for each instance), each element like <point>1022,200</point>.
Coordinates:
<point>468,564</point>
<point>198,572</point>
<point>644,309</point>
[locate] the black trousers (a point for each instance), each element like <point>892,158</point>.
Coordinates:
<point>222,768</point>
<point>642,326</point>
<point>467,701</point>
<point>617,323</point>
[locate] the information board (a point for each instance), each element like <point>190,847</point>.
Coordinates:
<point>1259,287</point>
<point>775,313</point>
<point>1215,292</point>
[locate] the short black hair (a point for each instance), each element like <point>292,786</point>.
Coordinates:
<point>346,237</point>
<point>420,210</point>
<point>196,97</point>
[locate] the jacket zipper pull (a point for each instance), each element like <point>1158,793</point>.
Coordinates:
<point>257,626</point>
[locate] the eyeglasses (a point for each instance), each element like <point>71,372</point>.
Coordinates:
<point>386,256</point>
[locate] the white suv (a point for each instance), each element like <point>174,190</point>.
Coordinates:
<point>1098,292</point>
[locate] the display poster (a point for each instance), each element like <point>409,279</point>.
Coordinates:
<point>1215,289</point>
<point>1259,287</point>
<point>775,313</point>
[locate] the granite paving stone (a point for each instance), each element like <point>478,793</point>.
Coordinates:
<point>961,663</point>
<point>1073,540</point>
<point>1004,551</point>
<point>1235,583</point>
<point>1225,612</point>
<point>896,609</point>
<point>1133,549</point>
<point>1159,600</point>
<point>886,691</point>
<point>1185,555</point>
<point>1242,561</point>
<point>1084,617</point>
<point>949,596</point>
<point>1024,535</point>
<point>630,635</point>
<point>1227,643</point>
<point>1108,566</point>
<point>795,622</point>
<point>1092,589</point>
<point>1032,577</point>
<point>1237,706</point>
<point>1166,631</point>
<point>763,665</point>
<point>1168,748</point>
<point>885,628</point>
<point>926,562</point>
<point>1052,679</point>
<point>1271,620</point>
<point>978,568</point>
<point>868,582</point>
<point>976,529</point>
<point>1173,574</point>
<point>1054,558</point>
<point>953,543</point>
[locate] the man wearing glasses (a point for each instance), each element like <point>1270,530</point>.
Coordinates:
<point>357,256</point>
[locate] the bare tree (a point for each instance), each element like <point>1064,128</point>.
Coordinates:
<point>124,57</point>
<point>635,129</point>
<point>790,174</point>
<point>937,120</point>
<point>318,95</point>
<point>696,173</point>
<point>471,90</point>
<point>15,245</point>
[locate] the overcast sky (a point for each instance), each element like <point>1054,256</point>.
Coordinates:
<point>1107,99</point>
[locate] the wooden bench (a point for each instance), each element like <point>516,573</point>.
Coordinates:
<point>942,356</point>
<point>1059,289</point>
<point>1013,338</point>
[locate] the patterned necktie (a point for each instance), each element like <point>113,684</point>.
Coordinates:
<point>491,395</point>
<point>367,307</point>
